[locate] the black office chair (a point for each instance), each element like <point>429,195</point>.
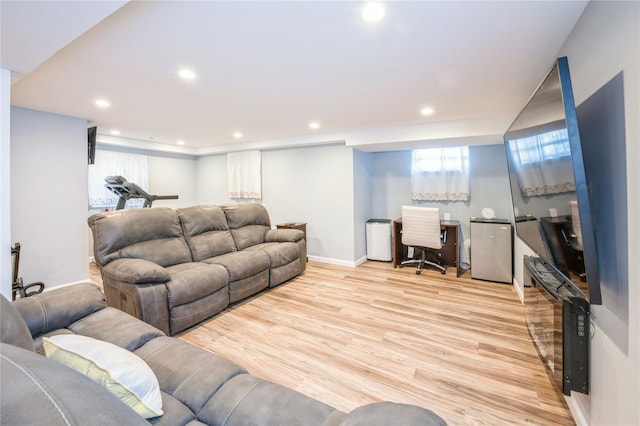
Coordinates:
<point>421,229</point>
<point>17,286</point>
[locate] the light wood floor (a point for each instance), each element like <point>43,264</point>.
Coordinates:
<point>351,336</point>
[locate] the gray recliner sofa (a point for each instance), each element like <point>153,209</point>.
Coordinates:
<point>175,268</point>
<point>196,386</point>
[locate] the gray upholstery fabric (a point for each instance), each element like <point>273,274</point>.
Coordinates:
<point>36,390</point>
<point>114,231</point>
<point>197,386</point>
<point>248,223</point>
<point>187,372</point>
<point>150,260</point>
<point>137,271</point>
<point>206,231</point>
<point>192,281</point>
<point>114,326</point>
<point>248,400</point>
<point>388,413</point>
<point>13,329</point>
<point>147,302</point>
<point>49,311</point>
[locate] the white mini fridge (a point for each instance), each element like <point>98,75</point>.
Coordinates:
<point>491,252</point>
<point>378,235</point>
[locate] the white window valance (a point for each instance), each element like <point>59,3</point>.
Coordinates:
<point>440,174</point>
<point>244,174</point>
<point>133,167</point>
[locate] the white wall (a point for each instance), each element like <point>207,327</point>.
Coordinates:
<point>5,182</point>
<point>313,185</point>
<point>49,196</point>
<point>362,201</point>
<point>606,41</point>
<point>211,180</point>
<point>172,175</point>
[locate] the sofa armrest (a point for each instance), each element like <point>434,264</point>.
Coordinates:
<point>60,307</point>
<point>136,271</point>
<point>390,413</point>
<point>283,235</point>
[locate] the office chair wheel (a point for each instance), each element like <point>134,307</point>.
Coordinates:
<point>418,271</point>
<point>443,271</point>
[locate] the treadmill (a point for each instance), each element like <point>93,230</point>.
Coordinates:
<point>128,190</point>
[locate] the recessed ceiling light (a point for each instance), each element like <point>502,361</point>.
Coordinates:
<point>115,132</point>
<point>427,111</point>
<point>314,125</point>
<point>237,135</point>
<point>372,12</point>
<point>103,103</point>
<point>187,74</point>
<point>180,142</point>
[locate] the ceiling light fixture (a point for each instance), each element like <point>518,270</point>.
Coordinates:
<point>187,74</point>
<point>103,103</point>
<point>237,135</point>
<point>372,12</point>
<point>115,132</point>
<point>427,111</point>
<point>314,125</point>
<point>180,142</point>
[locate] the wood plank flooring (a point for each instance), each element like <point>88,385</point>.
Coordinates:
<point>352,336</point>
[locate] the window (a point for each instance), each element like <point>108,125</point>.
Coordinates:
<point>440,174</point>
<point>543,163</point>
<point>133,167</point>
<point>544,147</point>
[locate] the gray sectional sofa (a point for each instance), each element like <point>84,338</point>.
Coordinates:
<point>175,268</point>
<point>195,387</point>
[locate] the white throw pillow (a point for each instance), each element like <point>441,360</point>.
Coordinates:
<point>123,373</point>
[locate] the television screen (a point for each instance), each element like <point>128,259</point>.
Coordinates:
<point>548,186</point>
<point>91,144</point>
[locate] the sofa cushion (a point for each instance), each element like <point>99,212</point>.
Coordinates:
<point>248,223</point>
<point>37,390</point>
<point>242,264</point>
<point>116,327</point>
<point>249,400</point>
<point>206,231</point>
<point>186,372</point>
<point>119,371</point>
<point>13,329</point>
<point>279,253</point>
<point>154,234</point>
<point>50,311</point>
<point>192,281</point>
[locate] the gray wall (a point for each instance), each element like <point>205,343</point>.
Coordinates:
<point>49,196</point>
<point>362,200</point>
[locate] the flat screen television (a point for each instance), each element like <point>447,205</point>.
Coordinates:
<point>548,186</point>
<point>92,132</point>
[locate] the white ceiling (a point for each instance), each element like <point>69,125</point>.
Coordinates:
<point>267,69</point>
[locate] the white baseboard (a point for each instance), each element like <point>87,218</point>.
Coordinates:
<point>518,290</point>
<point>339,262</point>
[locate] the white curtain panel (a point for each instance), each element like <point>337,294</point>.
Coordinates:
<point>244,174</point>
<point>133,167</point>
<point>441,174</point>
